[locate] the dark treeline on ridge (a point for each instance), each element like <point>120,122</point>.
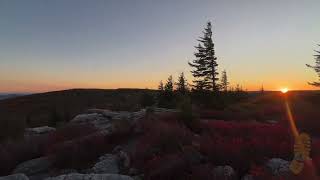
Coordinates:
<point>207,89</point>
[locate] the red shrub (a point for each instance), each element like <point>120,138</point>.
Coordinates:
<point>165,167</point>
<point>211,114</point>
<point>315,154</point>
<point>202,171</point>
<point>69,132</point>
<point>13,153</point>
<point>174,166</point>
<point>160,137</point>
<point>80,152</point>
<point>7,161</point>
<point>223,143</point>
<point>316,162</point>
<point>241,144</point>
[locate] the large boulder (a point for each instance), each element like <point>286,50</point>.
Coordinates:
<point>15,177</point>
<point>224,172</point>
<point>88,118</point>
<point>278,167</point>
<point>192,155</point>
<point>53,172</point>
<point>111,121</point>
<point>247,177</point>
<point>34,166</point>
<point>76,176</point>
<point>105,112</point>
<point>111,114</point>
<point>99,121</point>
<point>38,130</point>
<point>39,176</point>
<point>105,120</point>
<point>129,115</point>
<point>107,164</point>
<point>124,160</point>
<point>123,157</point>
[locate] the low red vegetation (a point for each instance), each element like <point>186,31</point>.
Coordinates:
<point>165,167</point>
<point>78,145</point>
<point>222,143</point>
<point>74,146</point>
<point>242,144</point>
<point>67,133</point>
<point>11,154</point>
<point>316,154</point>
<point>160,137</point>
<point>316,163</point>
<point>202,171</point>
<point>78,153</point>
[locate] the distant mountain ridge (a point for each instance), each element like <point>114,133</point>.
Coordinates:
<point>43,108</point>
<point>10,95</point>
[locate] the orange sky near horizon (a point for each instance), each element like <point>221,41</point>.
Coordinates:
<point>57,45</point>
<point>38,87</point>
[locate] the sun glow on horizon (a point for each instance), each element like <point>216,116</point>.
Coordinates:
<point>284,90</point>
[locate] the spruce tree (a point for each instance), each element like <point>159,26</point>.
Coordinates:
<point>224,81</point>
<point>316,68</point>
<point>166,97</point>
<point>169,85</point>
<point>238,88</point>
<point>262,89</point>
<point>160,87</point>
<point>182,84</point>
<point>205,62</point>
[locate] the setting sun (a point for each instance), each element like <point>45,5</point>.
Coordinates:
<point>284,90</point>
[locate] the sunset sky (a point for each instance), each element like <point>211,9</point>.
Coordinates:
<point>62,44</point>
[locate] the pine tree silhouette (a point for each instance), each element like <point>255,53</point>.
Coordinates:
<point>182,86</point>
<point>316,68</point>
<point>169,85</point>
<point>205,63</point>
<point>224,81</point>
<point>262,89</point>
<point>160,87</point>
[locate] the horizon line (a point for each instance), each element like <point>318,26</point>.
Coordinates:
<point>40,92</point>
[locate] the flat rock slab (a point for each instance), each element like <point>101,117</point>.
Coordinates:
<point>19,176</point>
<point>38,130</point>
<point>107,164</point>
<point>224,172</point>
<point>34,166</point>
<point>76,176</point>
<point>278,167</point>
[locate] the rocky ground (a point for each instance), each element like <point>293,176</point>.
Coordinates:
<point>108,166</point>
<point>117,164</point>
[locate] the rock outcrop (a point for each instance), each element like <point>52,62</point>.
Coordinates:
<point>278,167</point>
<point>107,121</point>
<point>224,172</point>
<point>38,130</point>
<point>107,164</point>
<point>76,176</point>
<point>15,177</point>
<point>99,121</point>
<point>247,177</point>
<point>34,166</point>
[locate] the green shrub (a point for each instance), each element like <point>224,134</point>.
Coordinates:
<point>186,113</point>
<point>167,99</point>
<point>185,108</point>
<point>147,99</point>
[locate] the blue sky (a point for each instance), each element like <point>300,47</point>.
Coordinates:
<point>51,45</point>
